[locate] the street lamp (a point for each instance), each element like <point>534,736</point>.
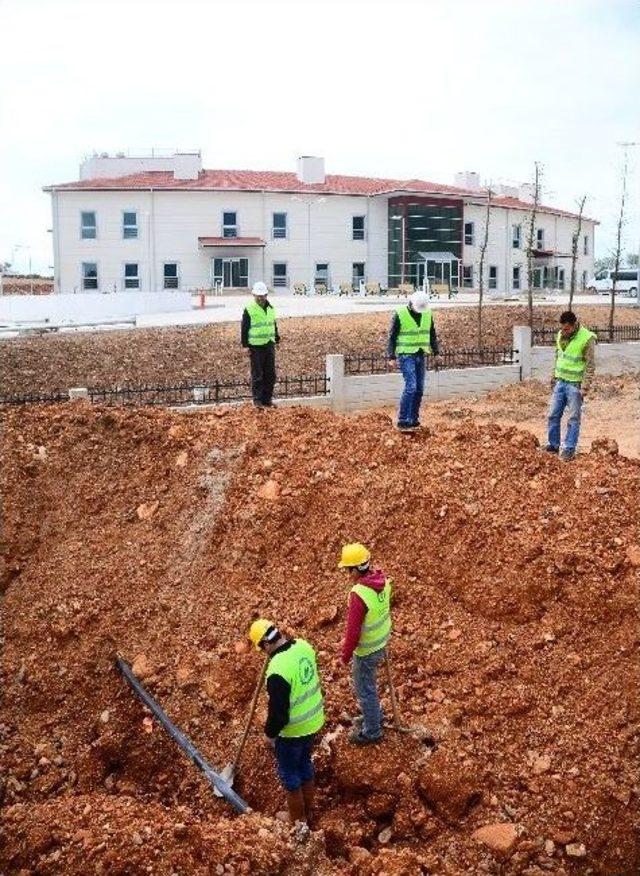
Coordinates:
<point>309,204</point>
<point>625,146</point>
<point>402,219</point>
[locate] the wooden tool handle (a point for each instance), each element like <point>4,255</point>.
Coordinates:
<point>252,710</point>
<point>392,692</point>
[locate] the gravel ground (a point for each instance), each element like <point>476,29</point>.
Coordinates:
<point>173,355</point>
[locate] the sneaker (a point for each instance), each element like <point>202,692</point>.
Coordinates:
<point>258,404</point>
<point>551,449</point>
<point>357,737</point>
<point>567,455</point>
<point>405,427</point>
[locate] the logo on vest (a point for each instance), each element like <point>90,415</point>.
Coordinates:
<point>305,670</point>
<point>381,596</point>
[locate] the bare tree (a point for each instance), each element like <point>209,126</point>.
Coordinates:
<point>483,250</point>
<point>617,253</point>
<point>531,238</point>
<point>574,250</point>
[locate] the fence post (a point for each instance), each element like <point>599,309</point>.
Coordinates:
<point>78,392</point>
<point>335,373</point>
<point>522,343</point>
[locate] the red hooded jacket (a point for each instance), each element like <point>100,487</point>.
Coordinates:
<point>374,578</point>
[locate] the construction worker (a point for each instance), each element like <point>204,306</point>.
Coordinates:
<point>573,370</point>
<point>296,712</point>
<point>411,337</point>
<point>259,335</point>
<point>367,633</point>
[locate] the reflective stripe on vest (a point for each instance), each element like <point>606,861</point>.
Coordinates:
<point>571,361</point>
<point>376,628</point>
<point>262,326</point>
<point>413,336</point>
<point>297,666</point>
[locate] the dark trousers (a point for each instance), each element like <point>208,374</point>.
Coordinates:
<point>263,373</point>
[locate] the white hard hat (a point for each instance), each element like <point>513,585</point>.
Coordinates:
<point>259,288</point>
<point>419,301</point>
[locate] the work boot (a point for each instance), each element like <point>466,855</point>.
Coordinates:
<point>567,455</point>
<point>551,449</point>
<point>295,805</point>
<point>357,737</point>
<point>308,795</point>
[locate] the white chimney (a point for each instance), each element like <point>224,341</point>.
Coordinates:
<point>186,165</point>
<point>310,169</point>
<point>526,192</point>
<point>468,179</point>
<point>506,190</point>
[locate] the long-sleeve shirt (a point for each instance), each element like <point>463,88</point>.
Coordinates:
<point>394,331</point>
<point>357,611</point>
<point>279,692</point>
<point>590,359</point>
<point>246,324</point>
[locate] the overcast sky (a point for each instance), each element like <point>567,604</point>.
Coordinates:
<point>396,88</point>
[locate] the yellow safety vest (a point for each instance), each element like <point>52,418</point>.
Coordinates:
<point>297,665</point>
<point>376,628</point>
<point>262,326</point>
<point>571,361</point>
<point>413,336</point>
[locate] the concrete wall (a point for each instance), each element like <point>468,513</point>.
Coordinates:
<point>87,308</point>
<point>610,359</point>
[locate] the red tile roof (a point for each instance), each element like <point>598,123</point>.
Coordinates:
<point>231,241</point>
<point>275,181</point>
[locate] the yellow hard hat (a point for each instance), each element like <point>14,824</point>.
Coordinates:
<point>353,555</point>
<point>258,630</point>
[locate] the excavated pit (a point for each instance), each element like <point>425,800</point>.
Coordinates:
<point>161,535</point>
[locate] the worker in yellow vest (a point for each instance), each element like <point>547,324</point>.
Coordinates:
<point>573,370</point>
<point>366,636</point>
<point>412,337</point>
<point>296,712</point>
<point>259,335</point>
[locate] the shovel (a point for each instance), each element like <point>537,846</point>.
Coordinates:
<point>228,772</point>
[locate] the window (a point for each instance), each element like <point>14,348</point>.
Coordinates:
<point>170,274</point>
<point>279,228</point>
<point>585,245</point>
<point>540,238</point>
<point>537,278</point>
<point>129,225</point>
<point>89,275</point>
<point>357,227</point>
<point>131,276</point>
<point>493,277</point>
<point>467,276</point>
<point>516,277</point>
<point>322,273</point>
<point>584,280</point>
<point>229,225</point>
<point>469,233</point>
<point>88,227</point>
<point>357,274</point>
<point>280,271</point>
<point>517,237</point>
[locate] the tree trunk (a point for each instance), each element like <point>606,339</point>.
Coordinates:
<point>530,240</point>
<point>574,252</point>
<point>483,250</point>
<point>618,250</point>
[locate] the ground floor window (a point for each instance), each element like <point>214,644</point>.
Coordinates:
<point>357,273</point>
<point>560,278</point>
<point>493,277</point>
<point>279,274</point>
<point>322,273</point>
<point>131,276</point>
<point>170,274</point>
<point>517,270</point>
<point>231,273</point>
<point>467,276</point>
<point>89,275</point>
<point>584,280</point>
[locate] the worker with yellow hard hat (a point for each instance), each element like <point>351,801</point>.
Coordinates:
<point>295,714</point>
<point>367,632</point>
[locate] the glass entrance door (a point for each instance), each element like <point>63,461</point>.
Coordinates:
<point>232,273</point>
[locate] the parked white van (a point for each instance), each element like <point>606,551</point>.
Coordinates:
<point>626,284</point>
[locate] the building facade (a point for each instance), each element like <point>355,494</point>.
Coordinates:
<point>153,223</point>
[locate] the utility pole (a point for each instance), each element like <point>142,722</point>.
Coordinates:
<point>626,145</point>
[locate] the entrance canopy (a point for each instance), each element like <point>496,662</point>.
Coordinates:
<point>231,241</point>
<point>440,257</point>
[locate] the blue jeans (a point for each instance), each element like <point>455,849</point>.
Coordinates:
<point>364,671</point>
<point>565,395</point>
<point>293,760</point>
<point>412,366</point>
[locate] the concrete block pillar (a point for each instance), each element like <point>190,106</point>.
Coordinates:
<point>522,343</point>
<point>78,392</point>
<point>335,373</point>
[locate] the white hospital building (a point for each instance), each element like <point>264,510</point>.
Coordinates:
<point>163,222</point>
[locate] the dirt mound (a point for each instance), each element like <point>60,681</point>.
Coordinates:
<point>175,355</point>
<point>515,641</point>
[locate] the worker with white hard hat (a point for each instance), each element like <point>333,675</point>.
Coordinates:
<point>412,336</point>
<point>259,335</point>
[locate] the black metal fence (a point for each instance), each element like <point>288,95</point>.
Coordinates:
<point>29,398</point>
<point>546,337</point>
<point>375,363</point>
